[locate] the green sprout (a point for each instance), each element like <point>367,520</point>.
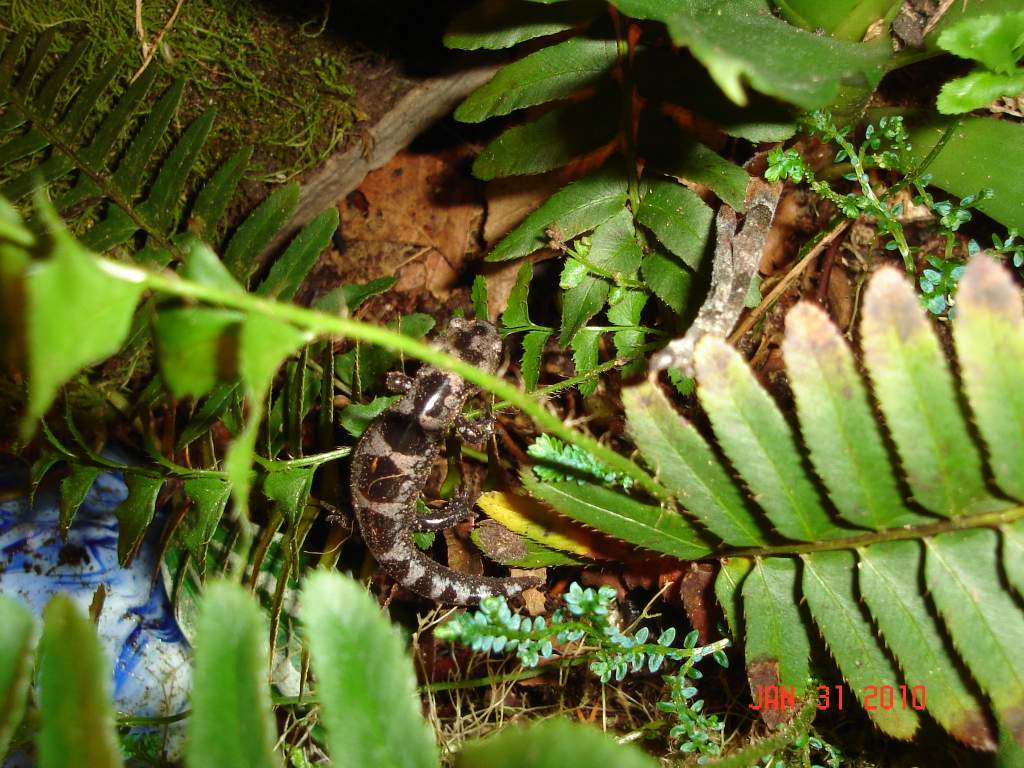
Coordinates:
<point>584,628</point>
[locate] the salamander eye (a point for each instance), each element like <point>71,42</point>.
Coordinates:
<point>435,390</point>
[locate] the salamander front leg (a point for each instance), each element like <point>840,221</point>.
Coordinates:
<point>474,430</point>
<point>397,382</point>
<point>455,511</point>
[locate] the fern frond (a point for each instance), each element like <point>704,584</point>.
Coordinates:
<point>113,182</point>
<point>34,107</point>
<point>909,589</point>
<point>106,169</point>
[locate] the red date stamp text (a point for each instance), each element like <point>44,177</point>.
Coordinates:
<point>886,697</point>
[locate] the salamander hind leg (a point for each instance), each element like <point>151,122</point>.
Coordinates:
<point>455,511</point>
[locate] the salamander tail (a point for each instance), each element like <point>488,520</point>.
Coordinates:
<point>417,572</point>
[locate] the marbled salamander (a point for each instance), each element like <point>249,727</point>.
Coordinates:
<point>393,460</point>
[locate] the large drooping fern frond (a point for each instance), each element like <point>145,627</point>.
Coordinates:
<point>902,549</point>
<point>107,171</point>
<point>629,100</point>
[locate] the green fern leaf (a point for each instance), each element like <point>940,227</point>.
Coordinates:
<point>580,303</point>
<point>867,589</point>
<point>830,586</point>
<point>258,229</point>
<point>136,513</point>
<point>209,497</point>
<point>290,488</point>
<point>629,342</point>
<point>123,218</point>
<point>777,643</point>
<point>574,209</point>
<point>517,310</point>
<point>219,402</point>
<point>162,206</point>
<point>496,24</point>
<point>74,687</point>
<point>58,164</point>
<point>130,170</point>
<point>1013,554</point>
<point>54,147</point>
<point>33,61</point>
<point>667,278</point>
<point>10,57</point>
<point>586,346</point>
<point>551,141</point>
<point>16,643</point>
<point>614,247</point>
<point>287,273</point>
<point>38,110</point>
<point>760,444</point>
<point>889,577</point>
<point>551,73</point>
<point>682,157</point>
<point>989,335</point>
<point>615,251</point>
<point>915,392</point>
<point>215,195</point>
<point>728,585</point>
<point>33,140</point>
<point>85,101</point>
<point>985,622</point>
<point>679,219</point>
<point>688,467</point>
<point>643,525</point>
<point>838,426</point>
<point>73,490</point>
<point>92,159</point>
<point>533,352</point>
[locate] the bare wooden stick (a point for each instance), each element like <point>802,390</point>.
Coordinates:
<point>783,284</point>
<point>737,256</point>
<point>426,102</point>
<point>149,49</point>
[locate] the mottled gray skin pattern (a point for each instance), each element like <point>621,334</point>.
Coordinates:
<point>393,460</point>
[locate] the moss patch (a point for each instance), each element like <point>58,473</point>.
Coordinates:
<point>274,71</point>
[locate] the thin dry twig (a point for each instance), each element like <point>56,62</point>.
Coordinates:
<point>737,254</point>
<point>937,16</point>
<point>149,49</point>
<point>768,301</point>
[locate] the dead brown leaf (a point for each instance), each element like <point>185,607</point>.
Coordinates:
<point>416,217</point>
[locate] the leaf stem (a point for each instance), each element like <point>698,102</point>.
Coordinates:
<point>816,247</point>
<point>328,325</point>
<point>752,755</point>
<point>959,523</point>
<point>511,677</point>
<point>608,365</point>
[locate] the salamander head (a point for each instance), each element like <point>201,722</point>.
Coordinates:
<point>475,341</point>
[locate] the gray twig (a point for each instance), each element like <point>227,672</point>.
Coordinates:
<point>737,256</point>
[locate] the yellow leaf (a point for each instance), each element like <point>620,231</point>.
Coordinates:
<point>529,518</point>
